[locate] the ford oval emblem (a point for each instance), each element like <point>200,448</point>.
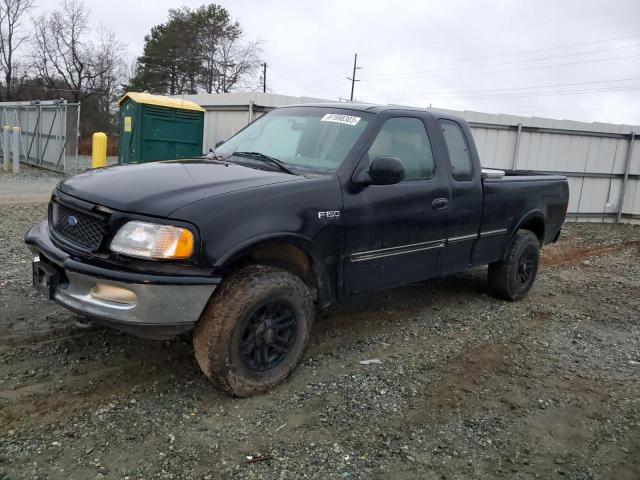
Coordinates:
<point>72,221</point>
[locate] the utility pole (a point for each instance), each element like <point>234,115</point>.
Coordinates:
<point>353,78</point>
<point>264,77</point>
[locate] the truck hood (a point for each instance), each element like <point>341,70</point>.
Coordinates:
<point>159,188</point>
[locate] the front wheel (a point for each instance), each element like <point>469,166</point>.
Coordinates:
<point>513,277</point>
<point>254,330</point>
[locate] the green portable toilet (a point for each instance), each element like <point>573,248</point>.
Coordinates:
<point>153,127</point>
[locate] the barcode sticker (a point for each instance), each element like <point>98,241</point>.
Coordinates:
<point>340,118</point>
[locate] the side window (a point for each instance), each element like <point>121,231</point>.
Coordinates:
<point>405,138</point>
<point>459,154</point>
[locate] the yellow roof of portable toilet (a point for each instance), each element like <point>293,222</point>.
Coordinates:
<point>161,101</point>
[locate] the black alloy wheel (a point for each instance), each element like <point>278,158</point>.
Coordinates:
<point>254,330</point>
<point>527,266</point>
<point>513,276</point>
<point>268,336</point>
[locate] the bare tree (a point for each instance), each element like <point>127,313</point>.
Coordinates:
<point>11,38</point>
<point>234,64</point>
<point>109,67</point>
<point>62,52</point>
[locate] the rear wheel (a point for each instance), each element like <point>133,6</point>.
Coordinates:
<point>254,330</point>
<point>514,276</point>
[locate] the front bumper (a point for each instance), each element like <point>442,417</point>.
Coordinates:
<point>131,301</point>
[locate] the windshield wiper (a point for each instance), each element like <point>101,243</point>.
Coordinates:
<point>267,158</point>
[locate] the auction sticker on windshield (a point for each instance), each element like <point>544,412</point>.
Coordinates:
<point>340,118</point>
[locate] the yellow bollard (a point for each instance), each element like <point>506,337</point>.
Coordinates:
<point>99,150</point>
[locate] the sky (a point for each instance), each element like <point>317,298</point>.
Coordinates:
<point>574,59</point>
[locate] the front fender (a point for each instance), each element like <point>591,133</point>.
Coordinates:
<point>320,271</point>
<point>285,238</point>
<point>289,213</point>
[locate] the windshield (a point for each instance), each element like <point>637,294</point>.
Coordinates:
<point>301,137</point>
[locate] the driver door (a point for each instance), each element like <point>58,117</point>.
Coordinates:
<point>394,233</point>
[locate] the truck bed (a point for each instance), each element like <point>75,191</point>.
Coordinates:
<point>544,197</point>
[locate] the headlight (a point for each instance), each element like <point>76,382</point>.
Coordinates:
<point>151,240</point>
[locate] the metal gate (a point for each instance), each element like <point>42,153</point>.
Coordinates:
<point>49,132</point>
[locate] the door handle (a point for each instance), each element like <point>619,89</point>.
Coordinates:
<point>440,204</point>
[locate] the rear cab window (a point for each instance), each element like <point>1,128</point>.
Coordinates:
<point>458,148</point>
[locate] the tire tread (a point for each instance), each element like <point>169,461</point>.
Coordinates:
<point>501,274</point>
<point>211,337</point>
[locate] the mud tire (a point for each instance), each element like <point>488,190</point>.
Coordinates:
<point>218,335</point>
<point>506,278</point>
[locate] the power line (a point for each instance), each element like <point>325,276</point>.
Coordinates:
<point>507,54</point>
<point>555,93</point>
<point>317,86</point>
<point>552,85</point>
<point>509,62</point>
<point>535,67</point>
<point>637,107</point>
<point>328,82</point>
<point>505,94</point>
<point>558,93</point>
<point>511,70</point>
<point>572,16</point>
<point>569,17</point>
<point>498,97</point>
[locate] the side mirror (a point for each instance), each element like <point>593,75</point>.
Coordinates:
<point>219,143</point>
<point>385,171</point>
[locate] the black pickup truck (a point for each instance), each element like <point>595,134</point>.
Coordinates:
<point>304,206</point>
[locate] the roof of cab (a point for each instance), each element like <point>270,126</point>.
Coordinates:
<point>361,107</point>
<point>161,101</point>
<point>375,108</point>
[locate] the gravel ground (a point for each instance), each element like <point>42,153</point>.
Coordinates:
<point>467,386</point>
<point>33,184</point>
<point>30,185</point>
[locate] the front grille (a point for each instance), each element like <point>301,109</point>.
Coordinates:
<point>76,226</point>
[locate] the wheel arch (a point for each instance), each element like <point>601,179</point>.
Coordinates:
<point>533,221</point>
<point>294,253</point>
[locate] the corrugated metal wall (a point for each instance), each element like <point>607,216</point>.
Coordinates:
<point>594,156</point>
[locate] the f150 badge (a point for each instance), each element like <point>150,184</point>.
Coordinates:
<point>329,214</point>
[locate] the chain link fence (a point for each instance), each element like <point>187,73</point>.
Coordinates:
<point>49,132</point>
